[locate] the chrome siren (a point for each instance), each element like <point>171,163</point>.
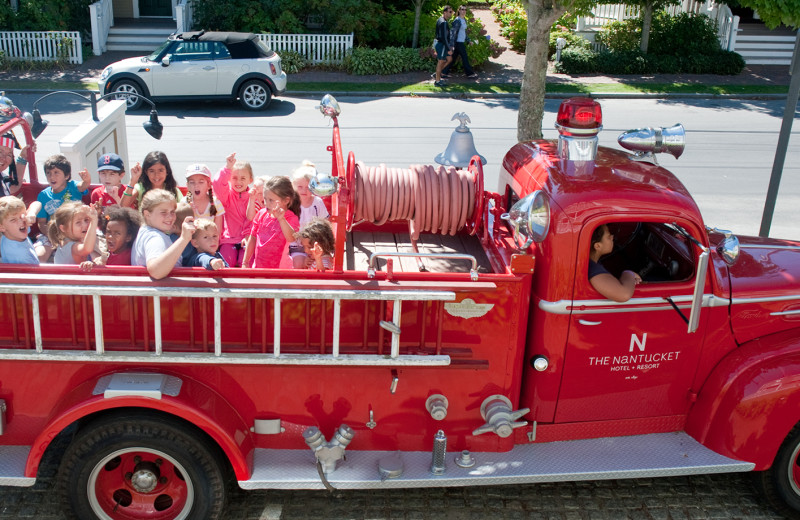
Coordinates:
<point>647,141</point>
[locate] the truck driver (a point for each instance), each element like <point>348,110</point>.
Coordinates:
<point>618,290</point>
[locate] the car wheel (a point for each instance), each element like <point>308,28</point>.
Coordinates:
<point>255,95</point>
<point>135,466</point>
<point>780,484</point>
<point>129,87</point>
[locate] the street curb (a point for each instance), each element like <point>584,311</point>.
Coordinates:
<point>498,95</point>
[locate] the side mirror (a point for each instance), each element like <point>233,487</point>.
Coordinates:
<point>165,61</point>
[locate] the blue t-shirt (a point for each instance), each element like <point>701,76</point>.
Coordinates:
<point>16,252</point>
<point>595,269</point>
<point>204,260</point>
<point>51,201</point>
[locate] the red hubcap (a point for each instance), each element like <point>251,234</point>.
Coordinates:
<point>140,484</point>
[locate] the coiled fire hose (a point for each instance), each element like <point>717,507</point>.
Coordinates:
<point>433,199</point>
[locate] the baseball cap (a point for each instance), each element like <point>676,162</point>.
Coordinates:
<point>110,161</point>
<point>198,169</point>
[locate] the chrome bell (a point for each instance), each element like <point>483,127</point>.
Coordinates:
<point>461,147</point>
<point>645,141</point>
<point>329,106</point>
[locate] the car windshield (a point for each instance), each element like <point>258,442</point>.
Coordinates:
<point>158,51</point>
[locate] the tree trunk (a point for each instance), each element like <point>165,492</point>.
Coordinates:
<point>647,22</point>
<point>417,16</point>
<point>531,99</point>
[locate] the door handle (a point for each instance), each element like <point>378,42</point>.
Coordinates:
<point>208,67</point>
<point>587,322</point>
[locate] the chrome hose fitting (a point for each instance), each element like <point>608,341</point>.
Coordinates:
<point>439,453</point>
<point>328,453</point>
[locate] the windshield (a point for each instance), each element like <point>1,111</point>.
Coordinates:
<point>154,55</point>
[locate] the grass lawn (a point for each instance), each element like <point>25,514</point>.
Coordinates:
<point>467,88</point>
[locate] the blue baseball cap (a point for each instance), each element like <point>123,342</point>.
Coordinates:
<point>110,161</point>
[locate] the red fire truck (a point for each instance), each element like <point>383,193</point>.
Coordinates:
<point>457,341</point>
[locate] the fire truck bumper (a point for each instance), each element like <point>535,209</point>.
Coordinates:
<point>12,466</point>
<point>653,455</point>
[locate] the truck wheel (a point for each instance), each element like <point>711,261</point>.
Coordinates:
<point>255,95</point>
<point>129,87</point>
<point>130,467</point>
<point>780,484</point>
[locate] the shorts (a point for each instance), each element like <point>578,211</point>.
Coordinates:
<point>441,50</point>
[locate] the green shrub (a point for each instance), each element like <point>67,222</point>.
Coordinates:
<point>400,29</point>
<point>292,62</point>
<point>577,60</point>
<point>584,61</point>
<point>677,35</point>
<point>573,40</point>
<point>513,21</point>
<point>391,60</point>
<point>621,36</point>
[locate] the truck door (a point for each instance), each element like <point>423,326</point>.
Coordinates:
<point>636,358</point>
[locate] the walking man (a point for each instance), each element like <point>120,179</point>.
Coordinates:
<point>459,32</point>
<point>443,44</point>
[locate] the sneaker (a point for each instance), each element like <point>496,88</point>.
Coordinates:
<point>472,76</point>
<point>439,84</point>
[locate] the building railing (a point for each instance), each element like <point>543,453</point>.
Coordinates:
<point>101,287</point>
<point>42,46</point>
<point>316,48</point>
<point>101,14</point>
<point>606,13</point>
<point>184,16</point>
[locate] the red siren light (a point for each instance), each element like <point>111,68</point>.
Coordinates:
<point>579,116</point>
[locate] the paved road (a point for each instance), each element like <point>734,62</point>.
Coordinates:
<point>725,497</point>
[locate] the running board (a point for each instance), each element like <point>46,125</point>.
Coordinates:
<point>653,455</point>
<point>12,466</point>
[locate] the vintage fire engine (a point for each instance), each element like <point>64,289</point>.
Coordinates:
<point>457,342</point>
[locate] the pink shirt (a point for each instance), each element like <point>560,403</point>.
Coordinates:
<point>270,241</point>
<point>235,225</point>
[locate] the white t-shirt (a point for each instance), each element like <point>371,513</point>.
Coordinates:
<point>150,243</point>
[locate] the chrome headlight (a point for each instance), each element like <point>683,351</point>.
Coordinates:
<point>530,219</point>
<point>106,73</point>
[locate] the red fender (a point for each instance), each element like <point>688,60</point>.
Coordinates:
<point>751,400</point>
<point>196,403</point>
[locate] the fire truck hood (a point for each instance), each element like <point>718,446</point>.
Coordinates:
<point>765,287</point>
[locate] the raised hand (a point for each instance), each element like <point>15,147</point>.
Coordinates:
<point>136,173</point>
<point>230,161</point>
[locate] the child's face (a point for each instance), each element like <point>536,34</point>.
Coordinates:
<point>240,179</point>
<point>272,201</point>
<point>301,187</point>
<point>161,217</point>
<point>117,237</point>
<point>14,226</point>
<point>206,240</point>
<point>78,227</point>
<point>198,186</point>
<point>110,178</point>
<point>307,246</point>
<point>57,179</point>
<point>157,174</point>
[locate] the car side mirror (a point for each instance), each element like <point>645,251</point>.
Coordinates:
<point>165,61</point>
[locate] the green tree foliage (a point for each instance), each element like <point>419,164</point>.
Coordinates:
<point>47,15</point>
<point>775,12</point>
<point>648,8</point>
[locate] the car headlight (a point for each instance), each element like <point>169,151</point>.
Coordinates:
<point>530,219</point>
<point>106,73</point>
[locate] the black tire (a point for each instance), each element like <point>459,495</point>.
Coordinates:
<point>127,466</point>
<point>129,87</point>
<point>780,485</point>
<point>255,95</point>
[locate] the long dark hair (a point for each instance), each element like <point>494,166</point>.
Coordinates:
<point>155,158</point>
<point>282,187</point>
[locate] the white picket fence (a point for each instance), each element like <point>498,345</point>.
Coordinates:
<point>42,45</point>
<point>603,14</point>
<point>317,48</point>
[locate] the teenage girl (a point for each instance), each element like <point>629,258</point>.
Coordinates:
<point>200,194</point>
<point>153,247</point>
<point>311,207</point>
<point>73,232</point>
<point>274,225</point>
<point>318,243</point>
<point>157,175</point>
<point>231,186</point>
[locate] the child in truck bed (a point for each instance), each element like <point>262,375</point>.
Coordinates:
<point>121,228</point>
<point>206,241</point>
<point>154,173</point>
<point>200,194</point>
<point>153,246</point>
<point>73,232</point>
<point>15,246</point>
<point>274,225</point>
<point>318,243</point>
<point>231,186</point>
<point>311,207</point>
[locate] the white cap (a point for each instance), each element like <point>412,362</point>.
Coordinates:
<point>198,169</point>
